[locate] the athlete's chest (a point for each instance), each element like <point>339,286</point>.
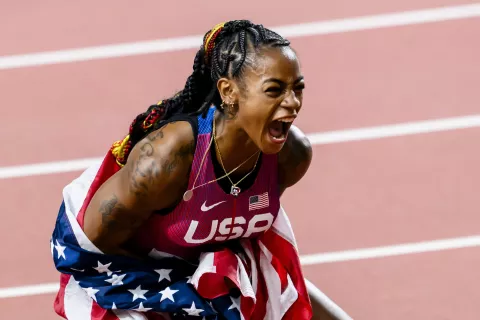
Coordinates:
<point>218,217</point>
<point>209,219</point>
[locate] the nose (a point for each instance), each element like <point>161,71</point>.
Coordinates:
<point>292,101</point>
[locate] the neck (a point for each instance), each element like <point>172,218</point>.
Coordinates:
<point>234,146</point>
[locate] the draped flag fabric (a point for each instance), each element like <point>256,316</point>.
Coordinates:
<point>265,273</point>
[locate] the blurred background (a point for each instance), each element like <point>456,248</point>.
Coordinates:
<point>387,219</point>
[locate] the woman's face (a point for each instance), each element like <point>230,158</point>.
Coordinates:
<point>270,97</point>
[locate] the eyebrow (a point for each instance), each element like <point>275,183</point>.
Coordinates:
<point>281,82</point>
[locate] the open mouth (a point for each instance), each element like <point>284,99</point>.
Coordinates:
<point>278,129</point>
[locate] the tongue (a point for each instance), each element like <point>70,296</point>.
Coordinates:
<point>276,129</point>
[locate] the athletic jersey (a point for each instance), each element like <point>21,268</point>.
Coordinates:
<point>205,221</point>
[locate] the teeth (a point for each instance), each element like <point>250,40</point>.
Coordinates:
<point>286,120</point>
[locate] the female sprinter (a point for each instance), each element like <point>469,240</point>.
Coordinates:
<point>202,168</point>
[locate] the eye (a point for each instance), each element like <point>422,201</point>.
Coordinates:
<point>300,87</point>
<point>273,91</point>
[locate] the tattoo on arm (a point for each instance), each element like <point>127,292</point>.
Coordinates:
<point>146,169</point>
<point>108,209</point>
<point>137,191</point>
<point>116,227</point>
<point>180,155</point>
<point>156,135</point>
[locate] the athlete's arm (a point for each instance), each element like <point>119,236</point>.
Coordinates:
<point>154,177</point>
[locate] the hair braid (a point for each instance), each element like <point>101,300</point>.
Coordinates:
<point>224,53</point>
<point>243,50</point>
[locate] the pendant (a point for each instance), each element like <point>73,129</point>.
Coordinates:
<point>235,191</point>
<point>187,195</point>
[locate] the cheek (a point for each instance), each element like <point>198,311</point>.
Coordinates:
<point>255,122</point>
<point>257,111</point>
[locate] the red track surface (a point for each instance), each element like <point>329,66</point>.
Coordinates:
<point>365,194</point>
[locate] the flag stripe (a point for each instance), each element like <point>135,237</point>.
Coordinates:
<point>74,310</point>
<point>260,310</point>
<point>102,314</point>
<point>274,285</point>
<point>288,297</point>
<point>59,305</point>
<point>288,256</point>
<point>108,168</point>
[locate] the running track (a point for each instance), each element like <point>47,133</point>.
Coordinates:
<point>387,218</point>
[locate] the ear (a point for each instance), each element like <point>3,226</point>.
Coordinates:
<point>228,90</point>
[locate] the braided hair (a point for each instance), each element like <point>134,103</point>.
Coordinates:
<point>226,50</point>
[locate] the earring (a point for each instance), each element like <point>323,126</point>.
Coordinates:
<point>232,108</point>
<point>228,107</point>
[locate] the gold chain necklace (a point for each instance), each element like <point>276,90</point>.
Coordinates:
<point>189,193</point>
<point>234,190</point>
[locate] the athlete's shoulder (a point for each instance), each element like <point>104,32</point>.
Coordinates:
<point>160,162</point>
<point>294,159</point>
<point>176,136</point>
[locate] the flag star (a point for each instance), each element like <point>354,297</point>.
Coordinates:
<point>234,304</point>
<point>51,246</point>
<point>116,280</point>
<point>189,279</point>
<point>103,268</point>
<point>114,306</point>
<point>168,294</point>
<point>60,250</point>
<point>164,274</point>
<point>142,308</point>
<point>193,311</point>
<point>138,293</point>
<point>91,293</point>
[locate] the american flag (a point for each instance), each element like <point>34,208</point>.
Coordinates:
<point>93,285</point>
<point>258,202</point>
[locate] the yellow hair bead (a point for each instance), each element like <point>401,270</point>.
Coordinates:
<point>119,148</point>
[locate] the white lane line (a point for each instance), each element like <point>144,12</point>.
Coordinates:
<point>395,130</point>
<point>319,138</point>
<point>389,251</point>
<point>291,31</point>
<point>33,290</point>
<point>309,259</point>
<point>47,168</point>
